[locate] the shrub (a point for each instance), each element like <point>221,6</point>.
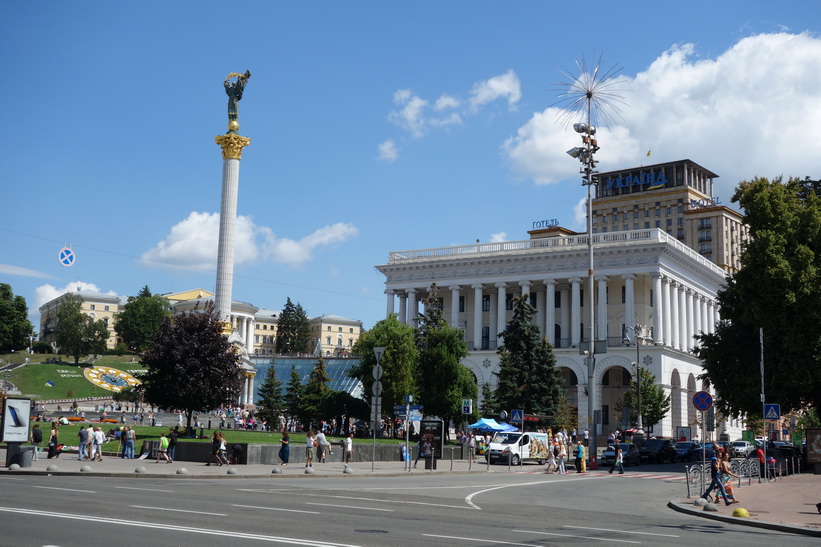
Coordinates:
<point>43,347</point>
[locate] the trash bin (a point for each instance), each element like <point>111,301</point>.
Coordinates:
<point>26,456</point>
<point>21,455</point>
<point>430,463</point>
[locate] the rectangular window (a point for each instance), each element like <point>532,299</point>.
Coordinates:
<point>557,299</point>
<point>105,308</point>
<point>340,329</point>
<point>658,212</point>
<point>327,340</point>
<point>669,210</point>
<point>623,294</point>
<point>625,216</point>
<point>508,302</point>
<point>646,225</point>
<point>533,299</point>
<point>92,307</point>
<point>635,214</point>
<point>651,298</point>
<point>485,302</point>
<point>646,213</point>
<point>461,304</point>
<point>581,297</point>
<point>351,330</point>
<point>669,222</point>
<point>329,328</point>
<point>658,224</point>
<point>440,303</point>
<point>635,225</point>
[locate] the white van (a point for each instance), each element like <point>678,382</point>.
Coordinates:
<point>519,447</point>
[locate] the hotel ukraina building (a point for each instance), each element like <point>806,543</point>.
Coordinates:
<point>663,246</point>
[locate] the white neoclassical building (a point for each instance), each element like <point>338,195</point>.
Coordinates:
<point>663,245</point>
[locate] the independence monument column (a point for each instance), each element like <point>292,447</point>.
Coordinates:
<point>232,144</point>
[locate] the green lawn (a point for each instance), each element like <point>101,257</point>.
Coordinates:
<point>68,379</point>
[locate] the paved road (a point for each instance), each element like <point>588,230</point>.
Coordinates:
<point>522,507</point>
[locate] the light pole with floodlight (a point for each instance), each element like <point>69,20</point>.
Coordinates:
<point>638,334</point>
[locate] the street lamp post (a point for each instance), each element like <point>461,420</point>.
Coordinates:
<point>585,155</point>
<point>378,352</point>
<point>638,331</point>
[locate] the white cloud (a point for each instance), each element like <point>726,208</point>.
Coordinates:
<point>753,110</point>
<point>47,293</point>
<point>192,243</point>
<point>498,238</point>
<point>417,115</point>
<point>388,151</point>
<point>8,269</point>
<point>504,86</point>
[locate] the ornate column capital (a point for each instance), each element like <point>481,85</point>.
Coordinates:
<point>232,145</point>
<point>501,285</point>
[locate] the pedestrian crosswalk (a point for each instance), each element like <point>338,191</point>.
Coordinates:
<point>677,477</point>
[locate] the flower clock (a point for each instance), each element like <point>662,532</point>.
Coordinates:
<point>110,379</point>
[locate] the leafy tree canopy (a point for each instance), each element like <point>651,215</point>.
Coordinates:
<point>442,378</point>
<point>191,365</point>
<point>316,389</point>
<point>777,289</point>
<point>293,330</point>
<point>79,334</point>
<point>15,327</point>
<point>398,362</point>
<point>271,400</point>
<point>528,377</point>
<point>142,315</point>
<point>655,403</point>
<point>293,394</point>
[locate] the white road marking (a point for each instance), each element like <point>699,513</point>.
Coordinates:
<point>620,531</point>
<point>179,510</point>
<point>375,500</point>
<point>176,528</point>
<point>469,498</point>
<point>576,537</point>
<point>66,489</point>
<point>277,509</point>
<point>350,507</point>
<point>478,541</point>
<point>145,489</point>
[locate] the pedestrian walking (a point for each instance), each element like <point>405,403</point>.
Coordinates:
<point>618,463</point>
<point>715,482</point>
<point>349,448</point>
<point>285,447</point>
<point>36,439</point>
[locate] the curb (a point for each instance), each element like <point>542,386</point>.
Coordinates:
<point>188,476</point>
<point>791,529</point>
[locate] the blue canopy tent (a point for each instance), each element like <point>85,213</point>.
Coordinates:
<point>486,424</point>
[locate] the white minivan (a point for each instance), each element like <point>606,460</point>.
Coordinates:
<point>518,448</point>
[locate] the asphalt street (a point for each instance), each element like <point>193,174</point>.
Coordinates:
<point>524,506</point>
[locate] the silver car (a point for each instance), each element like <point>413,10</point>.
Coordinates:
<point>742,449</point>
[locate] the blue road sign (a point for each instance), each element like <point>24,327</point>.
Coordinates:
<point>772,412</point>
<point>66,256</point>
<point>517,416</point>
<point>702,401</point>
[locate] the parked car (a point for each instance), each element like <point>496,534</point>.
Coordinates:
<point>688,451</point>
<point>658,451</point>
<point>629,454</point>
<point>741,449</point>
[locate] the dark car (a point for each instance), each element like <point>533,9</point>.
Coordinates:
<point>629,454</point>
<point>688,451</point>
<point>658,451</point>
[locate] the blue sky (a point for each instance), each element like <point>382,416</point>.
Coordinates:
<point>374,126</point>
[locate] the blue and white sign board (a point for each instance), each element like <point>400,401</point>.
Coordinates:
<point>66,256</point>
<point>772,412</point>
<point>467,406</point>
<point>517,416</point>
<point>702,401</point>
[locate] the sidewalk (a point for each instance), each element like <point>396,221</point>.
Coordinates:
<point>787,504</point>
<point>68,464</point>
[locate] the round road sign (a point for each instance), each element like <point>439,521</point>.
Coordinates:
<point>702,401</point>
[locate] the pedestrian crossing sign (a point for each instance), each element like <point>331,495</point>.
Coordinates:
<point>772,412</point>
<point>517,416</point>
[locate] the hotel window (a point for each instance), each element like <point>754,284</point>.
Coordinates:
<point>669,210</point>
<point>485,302</point>
<point>658,224</point>
<point>327,340</point>
<point>624,216</point>
<point>658,212</point>
<point>646,213</point>
<point>604,219</point>
<point>635,214</point>
<point>680,221</point>
<point>669,222</point>
<point>635,225</point>
<point>646,225</point>
<point>625,228</point>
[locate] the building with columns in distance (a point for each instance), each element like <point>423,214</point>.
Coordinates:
<point>645,276</point>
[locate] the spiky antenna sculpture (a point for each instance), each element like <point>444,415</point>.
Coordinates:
<point>590,97</point>
<point>593,94</point>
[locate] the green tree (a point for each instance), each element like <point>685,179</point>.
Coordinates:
<point>271,400</point>
<point>344,406</point>
<point>191,365</point>
<point>79,334</point>
<point>777,289</point>
<point>293,330</point>
<point>398,362</point>
<point>655,403</point>
<point>487,406</point>
<point>142,315</point>
<point>15,327</point>
<point>316,389</point>
<point>443,380</point>
<point>528,377</point>
<point>293,393</point>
